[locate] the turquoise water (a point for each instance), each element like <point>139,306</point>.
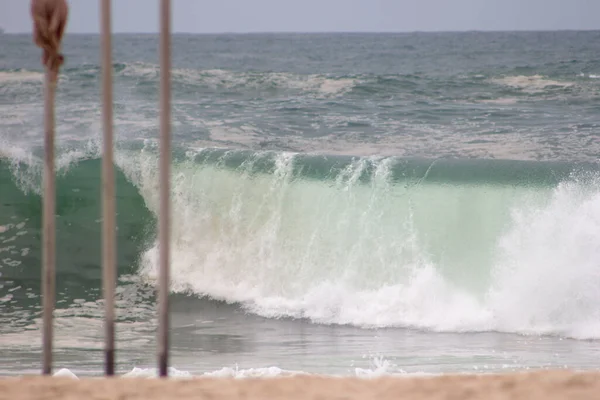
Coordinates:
<point>342,204</point>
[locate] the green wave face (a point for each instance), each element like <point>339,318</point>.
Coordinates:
<point>78,230</point>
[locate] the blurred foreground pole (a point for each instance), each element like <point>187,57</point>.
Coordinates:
<point>108,193</point>
<point>49,22</point>
<point>165,164</point>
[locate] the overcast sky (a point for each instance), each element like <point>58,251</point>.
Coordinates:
<point>204,16</point>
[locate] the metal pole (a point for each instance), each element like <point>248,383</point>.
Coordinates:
<point>165,163</point>
<point>49,22</point>
<point>108,194</point>
<point>48,232</point>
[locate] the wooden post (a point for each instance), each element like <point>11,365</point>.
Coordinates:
<point>165,164</point>
<point>49,22</point>
<point>48,230</point>
<point>108,194</point>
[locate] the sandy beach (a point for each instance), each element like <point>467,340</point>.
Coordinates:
<point>537,385</point>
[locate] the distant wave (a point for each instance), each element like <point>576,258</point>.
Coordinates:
<point>20,76</point>
<point>501,101</point>
<point>320,85</point>
<point>590,76</point>
<point>219,78</point>
<point>532,84</point>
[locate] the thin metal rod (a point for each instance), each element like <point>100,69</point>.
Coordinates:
<point>48,230</point>
<point>108,194</point>
<point>165,164</point>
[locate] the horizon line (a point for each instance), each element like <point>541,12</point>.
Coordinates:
<point>322,32</point>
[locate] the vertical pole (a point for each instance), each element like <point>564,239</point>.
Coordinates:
<point>49,22</point>
<point>165,164</point>
<point>108,193</point>
<point>48,230</point>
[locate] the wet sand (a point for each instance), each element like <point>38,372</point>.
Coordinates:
<point>537,385</point>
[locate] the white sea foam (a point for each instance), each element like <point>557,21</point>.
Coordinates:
<point>319,84</point>
<point>379,367</point>
<point>218,78</point>
<point>590,76</point>
<point>141,70</point>
<point>546,278</point>
<point>501,101</point>
<point>532,84</point>
<point>65,373</point>
<point>153,373</point>
<point>20,76</point>
<point>268,372</point>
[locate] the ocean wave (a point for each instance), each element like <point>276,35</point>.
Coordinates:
<point>19,76</point>
<point>589,76</point>
<point>531,84</point>
<point>174,373</point>
<point>219,78</point>
<point>500,101</point>
<point>372,252</point>
<point>379,367</point>
<point>451,246</point>
<point>323,85</point>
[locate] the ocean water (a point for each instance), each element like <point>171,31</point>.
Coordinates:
<point>343,204</point>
